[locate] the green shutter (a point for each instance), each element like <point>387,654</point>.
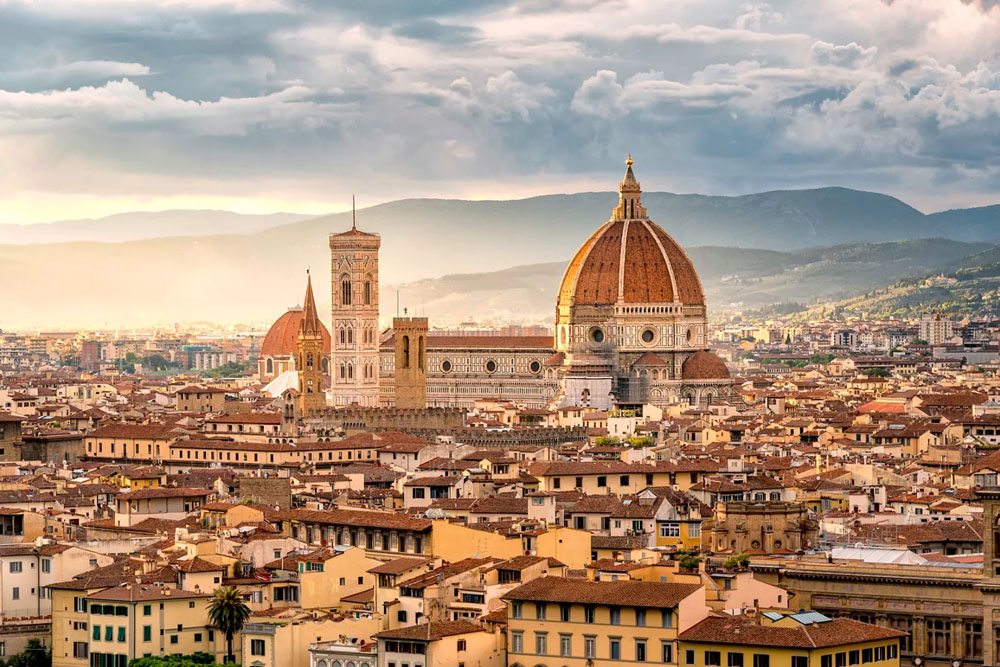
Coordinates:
<point>121,634</point>
<point>97,632</point>
<point>147,633</point>
<point>109,633</point>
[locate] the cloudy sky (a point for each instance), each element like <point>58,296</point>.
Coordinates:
<point>264,105</point>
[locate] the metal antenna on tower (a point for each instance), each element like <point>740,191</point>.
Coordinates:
<point>354,217</point>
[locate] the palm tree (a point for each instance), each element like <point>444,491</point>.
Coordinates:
<point>228,612</point>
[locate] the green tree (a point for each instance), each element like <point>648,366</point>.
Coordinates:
<point>33,655</point>
<point>227,613</point>
<point>192,660</point>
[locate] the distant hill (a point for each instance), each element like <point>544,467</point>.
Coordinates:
<point>733,278</point>
<point>144,225</point>
<point>752,250</point>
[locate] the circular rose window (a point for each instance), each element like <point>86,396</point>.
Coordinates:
<point>446,366</point>
<point>648,336</point>
<point>534,367</point>
<point>597,335</point>
<point>491,366</point>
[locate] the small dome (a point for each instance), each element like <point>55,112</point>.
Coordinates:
<point>282,337</point>
<point>703,365</point>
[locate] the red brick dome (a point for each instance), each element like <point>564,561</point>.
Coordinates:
<point>703,365</point>
<point>631,260</point>
<point>281,338</point>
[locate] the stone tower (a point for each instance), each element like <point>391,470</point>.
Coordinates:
<point>354,366</point>
<point>989,494</point>
<point>309,356</point>
<point>410,379</point>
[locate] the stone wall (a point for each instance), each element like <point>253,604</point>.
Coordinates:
<point>271,491</point>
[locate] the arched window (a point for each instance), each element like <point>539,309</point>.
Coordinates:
<point>343,336</point>
<point>345,290</point>
<point>368,290</point>
<point>406,351</point>
<point>269,366</point>
<point>309,361</point>
<point>420,354</point>
<point>350,371</point>
<point>326,365</point>
<point>342,371</point>
<point>350,336</point>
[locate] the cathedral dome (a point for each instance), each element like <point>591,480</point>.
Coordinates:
<point>703,365</point>
<point>282,337</point>
<point>630,260</point>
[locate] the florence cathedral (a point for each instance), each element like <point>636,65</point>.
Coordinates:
<point>630,329</point>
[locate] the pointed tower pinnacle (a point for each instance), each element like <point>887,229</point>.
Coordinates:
<point>354,217</point>
<point>629,196</point>
<point>309,324</point>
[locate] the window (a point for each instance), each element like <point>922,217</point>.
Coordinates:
<point>667,619</point>
<point>867,656</point>
<point>689,657</point>
<point>541,643</point>
<point>15,593</point>
<point>418,492</point>
<point>879,653</point>
<point>515,610</point>
<point>800,661</point>
<point>671,529</point>
<point>15,566</point>
<point>761,660</point>
<point>589,646</point>
<point>904,624</point>
<point>173,639</point>
<point>666,651</point>
<point>826,660</point>
<point>623,480</point>
<point>640,650</point>
<point>694,530</point>
<point>517,642</point>
<point>540,611</point>
<point>938,637</point>
<point>401,616</point>
<point>841,659</point>
<point>564,645</point>
<point>640,617</point>
<point>147,610</point>
<point>892,651</point>
<point>109,633</point>
<point>588,615</point>
<point>615,648</point>
<point>121,634</point>
<point>602,481</point>
<point>973,641</point>
<point>854,657</point>
<point>97,633</point>
<point>713,658</point>
<point>197,636</point>
<point>46,565</point>
<point>616,616</point>
<point>80,649</point>
<point>564,610</point>
<point>256,647</point>
<point>147,633</point>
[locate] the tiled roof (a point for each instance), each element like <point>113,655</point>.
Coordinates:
<point>736,630</point>
<point>431,631</point>
<point>623,593</point>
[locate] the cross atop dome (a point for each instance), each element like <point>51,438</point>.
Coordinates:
<point>629,196</point>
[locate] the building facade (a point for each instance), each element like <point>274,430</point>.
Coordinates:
<point>354,297</point>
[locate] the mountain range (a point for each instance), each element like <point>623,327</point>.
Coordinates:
<point>453,258</point>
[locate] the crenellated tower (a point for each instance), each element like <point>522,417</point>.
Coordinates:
<point>354,367</point>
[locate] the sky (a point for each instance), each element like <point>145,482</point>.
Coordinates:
<point>293,105</point>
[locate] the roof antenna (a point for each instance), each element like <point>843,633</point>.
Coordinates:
<point>354,219</point>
